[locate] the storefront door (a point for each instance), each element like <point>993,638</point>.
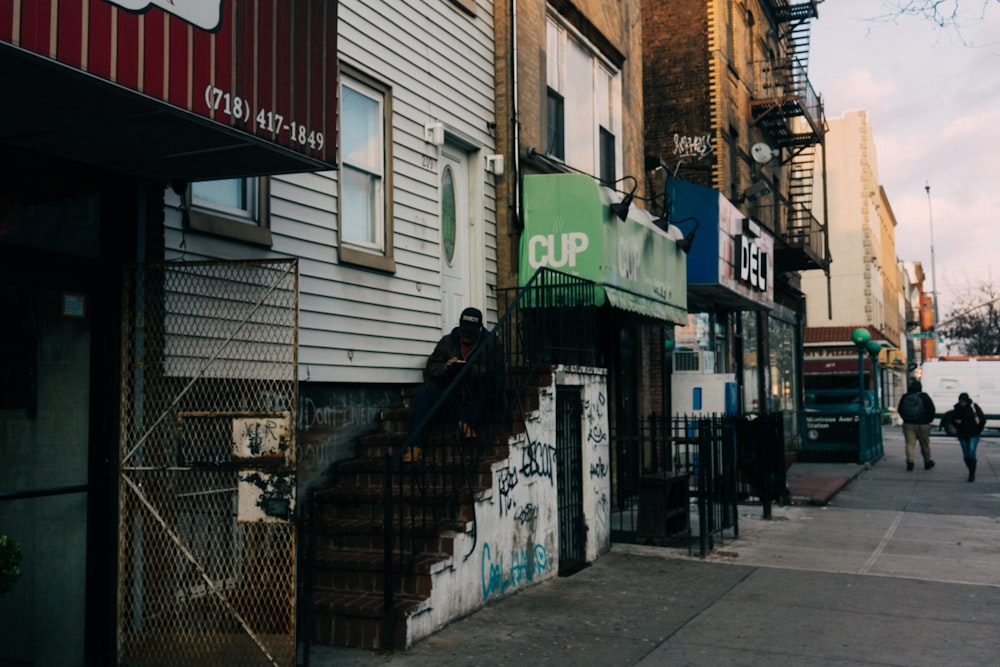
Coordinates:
<point>45,361</point>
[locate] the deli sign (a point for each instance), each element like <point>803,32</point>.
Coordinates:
<point>751,256</point>
<point>264,69</point>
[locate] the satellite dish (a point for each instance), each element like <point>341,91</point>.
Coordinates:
<point>762,153</point>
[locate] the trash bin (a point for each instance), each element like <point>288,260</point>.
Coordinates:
<point>663,508</point>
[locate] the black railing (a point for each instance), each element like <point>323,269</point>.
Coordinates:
<point>664,468</point>
<point>551,320</point>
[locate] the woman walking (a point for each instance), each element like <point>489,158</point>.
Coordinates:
<point>969,422</point>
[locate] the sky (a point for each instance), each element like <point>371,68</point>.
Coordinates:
<point>932,94</point>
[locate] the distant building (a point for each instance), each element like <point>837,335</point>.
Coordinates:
<point>865,286</point>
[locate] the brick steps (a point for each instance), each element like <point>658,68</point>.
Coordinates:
<point>347,565</point>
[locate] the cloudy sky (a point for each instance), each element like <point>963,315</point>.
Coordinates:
<point>932,95</point>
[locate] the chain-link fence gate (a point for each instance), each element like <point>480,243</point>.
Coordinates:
<point>207,467</point>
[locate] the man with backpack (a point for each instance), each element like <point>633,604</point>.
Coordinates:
<point>916,409</point>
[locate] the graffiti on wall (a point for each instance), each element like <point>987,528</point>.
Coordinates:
<point>538,460</point>
<point>331,419</point>
<point>506,483</point>
<point>697,146</point>
<point>522,567</point>
<point>594,410</point>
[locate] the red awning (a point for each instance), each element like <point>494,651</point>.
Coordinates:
<point>204,90</point>
<point>842,366</point>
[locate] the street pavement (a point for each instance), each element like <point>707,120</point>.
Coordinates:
<point>869,565</point>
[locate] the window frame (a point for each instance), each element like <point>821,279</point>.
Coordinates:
<point>560,38</point>
<point>381,256</point>
<point>254,227</point>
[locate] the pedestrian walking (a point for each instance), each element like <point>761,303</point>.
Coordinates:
<point>916,409</point>
<point>969,421</point>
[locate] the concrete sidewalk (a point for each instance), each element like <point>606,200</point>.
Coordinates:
<point>874,566</point>
<point>817,483</point>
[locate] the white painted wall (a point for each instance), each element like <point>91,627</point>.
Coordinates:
<point>516,543</point>
<point>364,326</point>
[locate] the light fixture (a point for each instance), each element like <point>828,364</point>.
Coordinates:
<point>434,133</point>
<point>685,243</point>
<point>755,191</point>
<point>860,338</point>
<point>494,164</point>
<point>620,209</point>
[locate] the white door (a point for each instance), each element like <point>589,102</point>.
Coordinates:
<point>458,236</point>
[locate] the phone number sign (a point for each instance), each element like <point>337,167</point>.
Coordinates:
<point>264,67</point>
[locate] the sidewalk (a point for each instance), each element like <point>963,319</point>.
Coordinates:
<point>817,483</point>
<point>873,566</point>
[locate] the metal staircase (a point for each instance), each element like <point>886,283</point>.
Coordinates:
<point>791,113</point>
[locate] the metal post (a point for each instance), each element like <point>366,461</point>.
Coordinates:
<point>934,292</point>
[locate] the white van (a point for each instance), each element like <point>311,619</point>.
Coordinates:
<point>944,378</point>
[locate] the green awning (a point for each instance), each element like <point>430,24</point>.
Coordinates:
<point>568,227</point>
<point>636,303</point>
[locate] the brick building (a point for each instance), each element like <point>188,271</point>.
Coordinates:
<point>729,107</point>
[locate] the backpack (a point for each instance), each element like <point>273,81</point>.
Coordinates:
<point>911,408</point>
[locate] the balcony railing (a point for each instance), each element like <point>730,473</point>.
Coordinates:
<point>786,94</point>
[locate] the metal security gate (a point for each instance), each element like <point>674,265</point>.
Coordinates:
<point>569,480</point>
<point>207,468</point>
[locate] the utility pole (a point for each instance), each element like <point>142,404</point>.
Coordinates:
<point>934,294</point>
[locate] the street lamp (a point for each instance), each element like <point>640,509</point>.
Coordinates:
<point>860,337</point>
<point>930,220</point>
<point>874,347</point>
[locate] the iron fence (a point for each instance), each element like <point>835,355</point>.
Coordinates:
<point>669,470</point>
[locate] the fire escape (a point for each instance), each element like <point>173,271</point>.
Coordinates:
<point>790,113</point>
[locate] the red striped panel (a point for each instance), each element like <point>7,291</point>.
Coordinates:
<point>127,50</point>
<point>283,71</point>
<point>36,19</point>
<point>317,61</point>
<point>331,90</point>
<point>300,69</point>
<point>69,35</point>
<point>201,76</point>
<point>99,38</point>
<point>265,63</point>
<point>154,63</point>
<point>177,72</point>
<point>245,53</point>
<point>223,74</point>
<point>7,21</point>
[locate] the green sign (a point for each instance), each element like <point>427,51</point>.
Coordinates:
<point>568,227</point>
<point>922,334</point>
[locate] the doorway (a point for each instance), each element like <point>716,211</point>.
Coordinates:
<point>569,480</point>
<point>461,237</point>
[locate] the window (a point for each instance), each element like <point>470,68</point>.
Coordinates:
<point>556,125</point>
<point>235,207</point>
<point>365,201</point>
<point>584,104</point>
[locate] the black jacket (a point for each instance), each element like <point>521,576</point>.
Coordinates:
<point>487,366</point>
<point>968,419</point>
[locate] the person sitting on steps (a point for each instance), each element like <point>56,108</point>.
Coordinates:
<point>480,386</point>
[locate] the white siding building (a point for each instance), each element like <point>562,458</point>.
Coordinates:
<point>397,241</point>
